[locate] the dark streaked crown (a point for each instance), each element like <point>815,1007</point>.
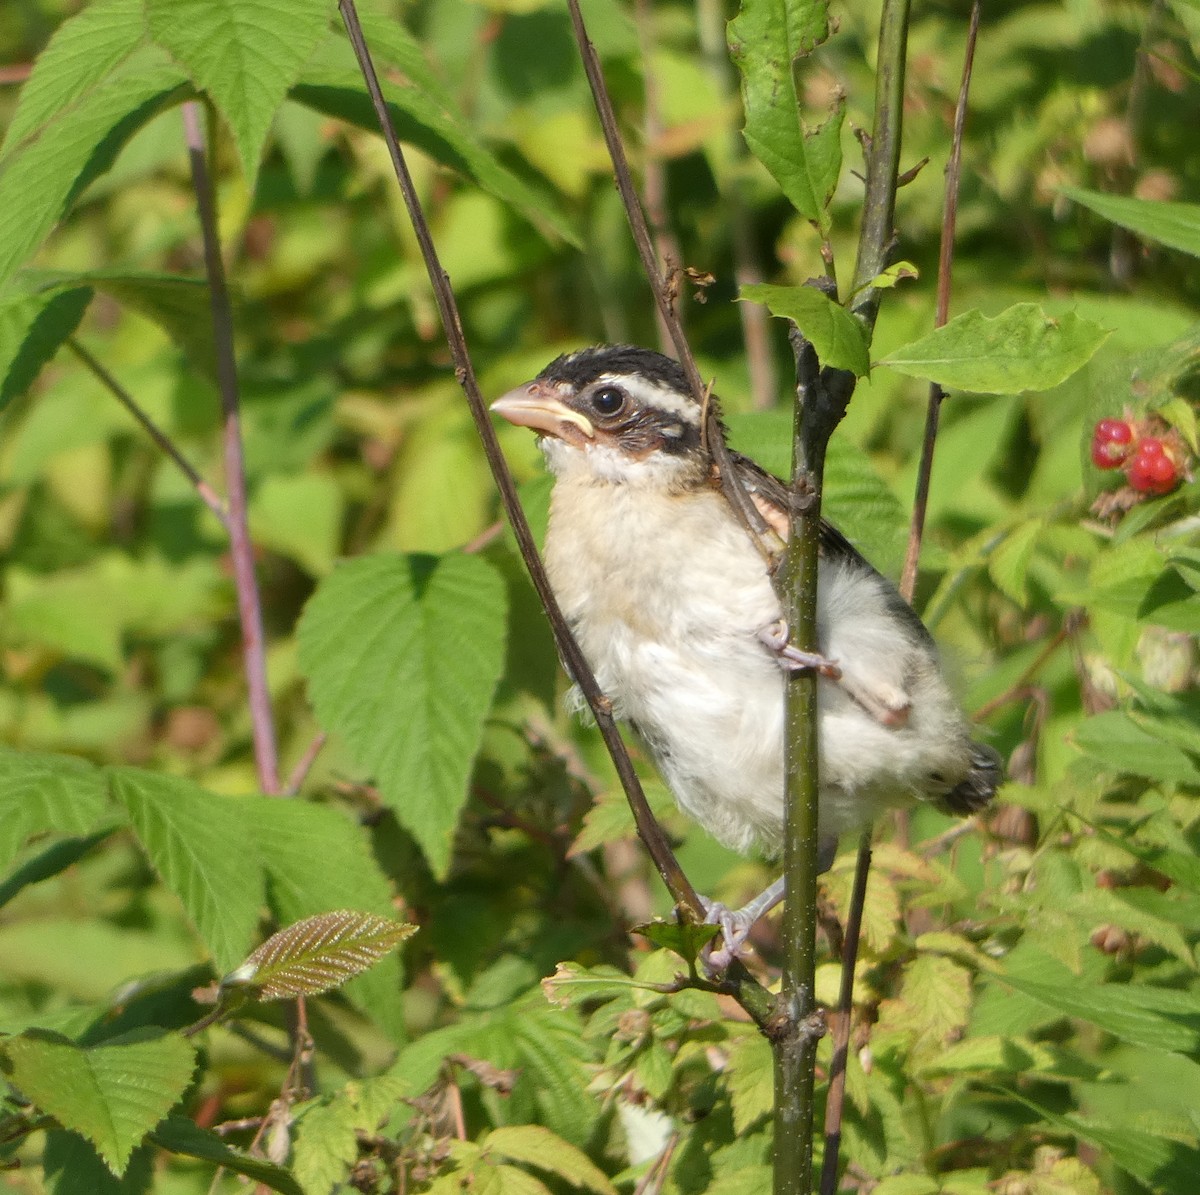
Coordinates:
<point>581,368</point>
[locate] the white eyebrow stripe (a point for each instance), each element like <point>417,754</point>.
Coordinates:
<point>654,394</point>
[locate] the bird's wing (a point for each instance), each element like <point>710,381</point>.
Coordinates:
<point>771,497</point>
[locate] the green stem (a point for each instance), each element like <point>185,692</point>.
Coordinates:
<point>821,399</point>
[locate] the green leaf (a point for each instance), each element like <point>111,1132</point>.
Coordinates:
<point>767,38</point>
<point>1176,225</point>
<point>244,53</point>
<point>41,177</point>
<point>319,954</point>
<point>686,940</point>
<point>83,50</point>
<point>288,835</point>
<point>572,983</point>
<point>202,847</point>
<point>182,1136</point>
<point>402,656</point>
<point>299,517</point>
<point>178,305</point>
<point>1008,565</point>
<point>41,792</point>
<point>537,1146</point>
<point>1020,349</point>
<point>1128,749</point>
<point>751,1077</point>
<point>333,86</point>
<point>834,333</point>
<point>113,1094</point>
<point>32,328</point>
<point>1157,1018</point>
<point>73,1167</point>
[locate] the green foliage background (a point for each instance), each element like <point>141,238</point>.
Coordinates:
<point>1028,1009</point>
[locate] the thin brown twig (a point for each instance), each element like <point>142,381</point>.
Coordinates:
<point>908,578</point>
<point>649,830</point>
<point>208,495</point>
<point>304,765</point>
<point>266,754</point>
<point>745,509</point>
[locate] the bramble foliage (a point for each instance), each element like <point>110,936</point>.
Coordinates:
<point>1027,1001</point>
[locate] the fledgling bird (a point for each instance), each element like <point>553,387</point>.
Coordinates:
<point>673,606</point>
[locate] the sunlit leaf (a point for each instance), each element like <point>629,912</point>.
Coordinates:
<point>402,655</point>
<point>113,1093</point>
<point>244,53</point>
<point>834,333</point>
<point>319,953</point>
<point>1020,349</point>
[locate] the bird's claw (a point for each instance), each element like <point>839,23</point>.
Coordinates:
<point>792,658</point>
<point>735,926</point>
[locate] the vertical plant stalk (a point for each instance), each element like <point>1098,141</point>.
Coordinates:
<point>648,828</point>
<point>821,399</point>
<point>835,1101</point>
<point>208,495</point>
<point>266,755</point>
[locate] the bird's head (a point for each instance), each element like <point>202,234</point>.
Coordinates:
<point>622,414</point>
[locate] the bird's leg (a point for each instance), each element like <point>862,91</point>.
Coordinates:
<point>736,923</point>
<point>791,659</point>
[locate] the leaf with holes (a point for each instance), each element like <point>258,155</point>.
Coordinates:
<point>113,1094</point>
<point>766,40</point>
<point>318,954</point>
<point>1021,349</point>
<point>402,656</point>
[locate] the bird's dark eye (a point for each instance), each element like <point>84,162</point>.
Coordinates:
<point>608,400</point>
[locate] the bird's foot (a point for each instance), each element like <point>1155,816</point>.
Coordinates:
<point>791,658</point>
<point>735,926</point>
<point>729,944</point>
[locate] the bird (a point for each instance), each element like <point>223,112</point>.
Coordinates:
<point>673,605</point>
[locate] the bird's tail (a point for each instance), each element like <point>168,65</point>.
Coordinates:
<point>980,784</point>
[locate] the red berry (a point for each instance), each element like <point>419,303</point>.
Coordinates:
<point>1151,471</point>
<point>1112,442</point>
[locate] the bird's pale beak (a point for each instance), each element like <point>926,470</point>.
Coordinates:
<point>536,405</point>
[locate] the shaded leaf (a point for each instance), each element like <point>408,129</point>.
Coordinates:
<point>1154,1017</point>
<point>32,328</point>
<point>837,337</point>
<point>1176,225</point>
<point>402,655</point>
<point>319,954</point>
<point>334,87</point>
<point>686,939</point>
<point>113,1094</point>
<point>182,1136</point>
<point>201,846</point>
<point>289,835</point>
<point>1020,349</point>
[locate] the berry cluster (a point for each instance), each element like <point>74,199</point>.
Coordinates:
<point>1151,464</point>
